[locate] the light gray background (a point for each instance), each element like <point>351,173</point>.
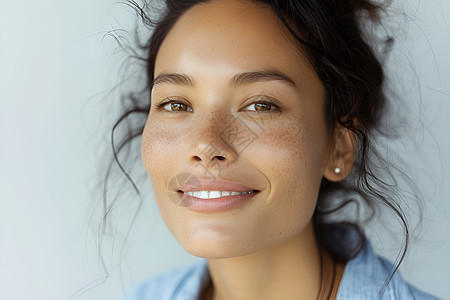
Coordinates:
<point>56,71</point>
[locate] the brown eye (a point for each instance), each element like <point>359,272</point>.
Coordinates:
<point>176,106</point>
<point>261,106</point>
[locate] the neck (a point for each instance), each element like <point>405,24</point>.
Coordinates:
<point>290,270</point>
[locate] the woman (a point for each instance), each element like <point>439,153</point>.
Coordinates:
<point>260,126</point>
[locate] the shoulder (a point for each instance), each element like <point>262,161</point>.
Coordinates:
<point>182,283</point>
<point>367,276</point>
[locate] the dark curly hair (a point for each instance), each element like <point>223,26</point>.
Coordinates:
<point>336,37</point>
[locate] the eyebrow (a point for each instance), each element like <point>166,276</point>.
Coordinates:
<point>174,78</point>
<point>243,78</point>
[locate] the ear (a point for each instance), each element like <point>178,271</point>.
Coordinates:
<point>342,155</point>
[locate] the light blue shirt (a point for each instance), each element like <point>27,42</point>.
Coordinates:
<point>363,278</point>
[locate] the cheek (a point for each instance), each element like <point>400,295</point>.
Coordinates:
<point>159,145</point>
<point>290,149</point>
<point>291,156</point>
<point>162,151</point>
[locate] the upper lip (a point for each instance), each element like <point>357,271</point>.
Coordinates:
<point>214,185</point>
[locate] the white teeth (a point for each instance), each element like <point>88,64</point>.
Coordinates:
<point>214,194</point>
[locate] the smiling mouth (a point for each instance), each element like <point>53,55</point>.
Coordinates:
<point>215,194</point>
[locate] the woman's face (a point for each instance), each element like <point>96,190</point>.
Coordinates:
<point>247,108</point>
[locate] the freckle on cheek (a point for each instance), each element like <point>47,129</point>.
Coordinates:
<point>158,146</point>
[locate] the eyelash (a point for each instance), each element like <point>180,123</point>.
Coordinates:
<point>266,101</point>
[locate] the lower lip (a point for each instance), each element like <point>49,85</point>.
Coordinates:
<point>215,204</point>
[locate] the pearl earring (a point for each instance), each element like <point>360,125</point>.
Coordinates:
<point>337,170</point>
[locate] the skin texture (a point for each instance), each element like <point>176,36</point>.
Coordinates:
<point>266,248</point>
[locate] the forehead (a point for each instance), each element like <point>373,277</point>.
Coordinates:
<point>230,34</point>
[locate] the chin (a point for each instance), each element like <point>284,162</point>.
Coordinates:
<point>217,248</point>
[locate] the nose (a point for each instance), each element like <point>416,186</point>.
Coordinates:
<point>211,146</point>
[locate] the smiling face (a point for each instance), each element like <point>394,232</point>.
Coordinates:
<point>245,106</point>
